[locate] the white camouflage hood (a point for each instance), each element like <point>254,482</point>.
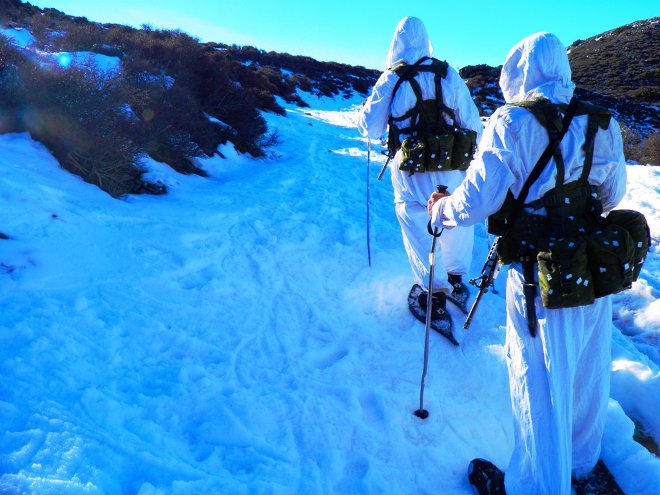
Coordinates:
<point>537,67</point>
<point>409,43</point>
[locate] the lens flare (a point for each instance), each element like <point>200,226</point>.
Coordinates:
<point>64,59</point>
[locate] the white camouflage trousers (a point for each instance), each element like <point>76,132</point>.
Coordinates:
<point>559,384</point>
<point>453,252</point>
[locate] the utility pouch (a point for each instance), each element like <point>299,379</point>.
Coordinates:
<point>564,276</point>
<point>429,154</point>
<point>439,151</point>
<point>635,223</point>
<point>524,237</point>
<point>413,155</point>
<point>611,253</point>
<point>465,145</point>
<point>572,209</point>
<point>508,250</point>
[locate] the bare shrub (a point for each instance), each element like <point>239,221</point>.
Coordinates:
<point>642,149</point>
<point>79,115</point>
<point>78,37</point>
<point>165,102</point>
<point>9,86</point>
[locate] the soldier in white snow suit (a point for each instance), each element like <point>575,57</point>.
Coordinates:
<point>560,378</point>
<point>411,45</point>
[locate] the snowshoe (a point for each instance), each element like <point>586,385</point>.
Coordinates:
<point>599,481</point>
<point>440,318</point>
<point>485,478</point>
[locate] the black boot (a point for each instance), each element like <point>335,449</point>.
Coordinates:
<point>485,478</point>
<point>459,293</point>
<point>599,481</point>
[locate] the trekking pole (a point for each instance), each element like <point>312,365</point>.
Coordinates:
<point>421,412</point>
<point>368,199</point>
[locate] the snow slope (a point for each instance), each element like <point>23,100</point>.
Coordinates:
<point>230,338</point>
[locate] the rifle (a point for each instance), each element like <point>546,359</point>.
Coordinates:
<point>488,275</point>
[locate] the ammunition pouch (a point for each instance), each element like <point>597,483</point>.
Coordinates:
<point>636,225</point>
<point>465,146</point>
<point>432,153</point>
<point>442,150</point>
<point>580,254</point>
<point>617,250</point>
<point>525,238</point>
<point>564,275</point>
<point>611,259</point>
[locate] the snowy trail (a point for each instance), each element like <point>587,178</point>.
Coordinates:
<point>230,338</point>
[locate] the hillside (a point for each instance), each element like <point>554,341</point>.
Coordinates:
<point>619,69</point>
<point>101,97</point>
<point>623,62</point>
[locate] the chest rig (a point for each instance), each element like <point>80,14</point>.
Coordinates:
<point>556,241</point>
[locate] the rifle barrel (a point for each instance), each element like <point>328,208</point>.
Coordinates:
<point>473,309</point>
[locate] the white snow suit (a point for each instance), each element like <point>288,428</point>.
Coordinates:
<point>409,44</point>
<point>559,380</point>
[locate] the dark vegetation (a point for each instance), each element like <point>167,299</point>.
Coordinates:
<point>176,99</point>
<point>623,65</point>
<point>619,70</point>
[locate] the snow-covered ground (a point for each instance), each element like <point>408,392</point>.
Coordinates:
<point>230,338</point>
<point>19,36</point>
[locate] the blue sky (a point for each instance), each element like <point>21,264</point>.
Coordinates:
<point>359,32</point>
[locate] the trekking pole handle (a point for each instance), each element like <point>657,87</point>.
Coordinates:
<point>441,188</point>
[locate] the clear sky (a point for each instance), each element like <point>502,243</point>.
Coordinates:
<point>463,32</point>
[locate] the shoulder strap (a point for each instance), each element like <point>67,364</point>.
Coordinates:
<point>549,116</point>
<point>600,119</point>
<point>407,72</point>
<point>553,145</point>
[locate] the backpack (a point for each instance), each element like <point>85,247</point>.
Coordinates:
<point>431,144</point>
<point>580,254</point>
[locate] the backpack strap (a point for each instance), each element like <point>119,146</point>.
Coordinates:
<point>588,146</point>
<point>549,114</point>
<point>550,117</point>
<point>418,120</point>
<point>543,160</point>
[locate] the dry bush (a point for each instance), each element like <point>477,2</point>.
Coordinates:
<point>10,84</point>
<point>639,148</point>
<point>79,115</point>
<point>164,103</point>
<point>78,37</point>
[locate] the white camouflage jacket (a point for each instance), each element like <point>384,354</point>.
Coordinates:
<point>410,43</point>
<point>513,141</point>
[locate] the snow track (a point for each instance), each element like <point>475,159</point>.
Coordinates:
<point>230,338</point>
